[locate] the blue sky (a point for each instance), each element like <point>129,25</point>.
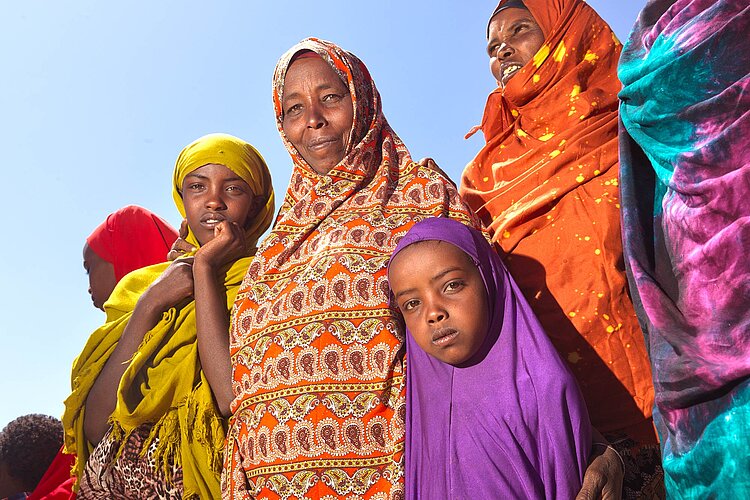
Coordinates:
<point>98,98</point>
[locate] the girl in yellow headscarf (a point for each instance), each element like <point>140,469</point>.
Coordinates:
<point>152,387</point>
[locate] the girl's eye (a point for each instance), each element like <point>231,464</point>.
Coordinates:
<point>234,189</point>
<point>410,304</point>
<point>454,285</point>
<point>195,186</point>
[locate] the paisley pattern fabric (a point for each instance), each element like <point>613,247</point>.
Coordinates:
<point>686,216</point>
<point>546,185</point>
<point>317,351</point>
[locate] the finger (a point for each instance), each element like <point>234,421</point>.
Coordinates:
<point>592,487</point>
<point>184,229</point>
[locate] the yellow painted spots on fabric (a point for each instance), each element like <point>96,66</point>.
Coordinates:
<point>576,90</point>
<point>547,137</point>
<point>597,172</point>
<point>561,143</point>
<point>559,53</point>
<point>554,153</point>
<point>541,55</point>
<point>615,39</point>
<point>536,78</point>
<point>486,179</point>
<point>614,181</point>
<point>605,316</point>
<point>572,314</point>
<point>514,112</point>
<point>580,178</point>
<point>506,234</point>
<point>590,57</point>
<point>521,133</point>
<point>610,329</point>
<point>597,252</point>
<point>587,238</point>
<point>600,295</point>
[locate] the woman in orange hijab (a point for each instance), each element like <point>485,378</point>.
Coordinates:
<point>546,186</point>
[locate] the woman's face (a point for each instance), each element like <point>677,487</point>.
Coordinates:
<point>213,193</point>
<point>443,299</point>
<point>101,276</point>
<point>318,113</point>
<point>514,38</point>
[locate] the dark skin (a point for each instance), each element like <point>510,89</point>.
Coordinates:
<point>188,278</point>
<point>514,38</point>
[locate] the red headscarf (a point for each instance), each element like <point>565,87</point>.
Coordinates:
<point>132,238</point>
<point>545,185</point>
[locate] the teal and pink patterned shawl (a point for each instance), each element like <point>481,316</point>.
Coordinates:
<point>685,181</point>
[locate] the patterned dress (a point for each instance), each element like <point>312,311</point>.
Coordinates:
<point>317,351</point>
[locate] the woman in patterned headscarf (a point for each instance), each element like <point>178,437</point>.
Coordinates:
<point>545,185</point>
<point>152,385</point>
<point>686,214</point>
<point>317,350</point>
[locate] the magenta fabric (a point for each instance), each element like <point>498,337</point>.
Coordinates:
<point>510,424</point>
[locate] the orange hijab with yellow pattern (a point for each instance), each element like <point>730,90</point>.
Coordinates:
<point>545,185</point>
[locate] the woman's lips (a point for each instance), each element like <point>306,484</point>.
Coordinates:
<point>320,143</point>
<point>444,336</point>
<point>508,70</point>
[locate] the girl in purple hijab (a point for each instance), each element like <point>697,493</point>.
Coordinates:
<point>492,410</point>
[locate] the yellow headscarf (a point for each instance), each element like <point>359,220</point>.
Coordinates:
<point>239,157</point>
<point>164,384</point>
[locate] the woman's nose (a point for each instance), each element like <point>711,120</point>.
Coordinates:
<point>504,51</point>
<point>315,118</point>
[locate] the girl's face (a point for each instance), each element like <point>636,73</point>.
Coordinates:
<point>443,299</point>
<point>101,276</point>
<point>213,193</point>
<point>318,113</point>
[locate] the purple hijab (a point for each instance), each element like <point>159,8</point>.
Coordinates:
<point>512,423</point>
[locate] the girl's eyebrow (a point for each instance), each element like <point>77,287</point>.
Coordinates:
<point>444,272</point>
<point>227,179</point>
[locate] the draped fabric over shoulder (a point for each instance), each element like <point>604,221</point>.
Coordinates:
<point>686,211</point>
<point>317,351</point>
<point>132,238</point>
<point>545,185</point>
<point>519,400</point>
<point>164,387</point>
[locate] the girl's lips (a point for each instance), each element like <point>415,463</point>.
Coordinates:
<point>211,220</point>
<point>444,336</point>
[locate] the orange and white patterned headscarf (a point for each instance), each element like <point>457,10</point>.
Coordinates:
<point>316,349</point>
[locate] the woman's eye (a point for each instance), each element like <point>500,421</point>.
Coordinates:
<point>195,187</point>
<point>293,110</point>
<point>452,286</point>
<point>331,97</point>
<point>519,28</point>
